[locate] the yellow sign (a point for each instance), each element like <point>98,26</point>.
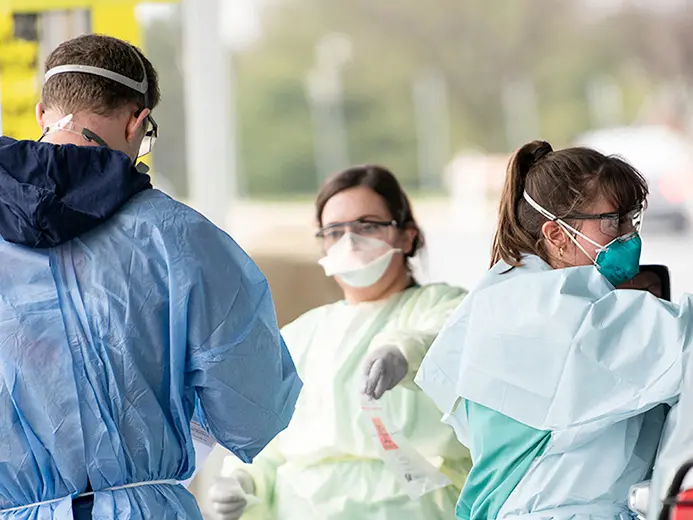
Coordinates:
<point>18,86</point>
<point>19,67</point>
<point>37,6</point>
<point>113,17</point>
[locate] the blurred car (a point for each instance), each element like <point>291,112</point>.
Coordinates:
<point>665,159</point>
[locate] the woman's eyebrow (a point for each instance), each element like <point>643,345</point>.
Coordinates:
<point>369,216</point>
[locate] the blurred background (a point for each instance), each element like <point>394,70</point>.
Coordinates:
<point>263,99</point>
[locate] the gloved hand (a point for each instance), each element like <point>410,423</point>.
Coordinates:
<point>228,495</point>
<point>383,370</point>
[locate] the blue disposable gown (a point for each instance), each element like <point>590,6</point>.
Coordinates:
<point>139,306</point>
<point>562,351</point>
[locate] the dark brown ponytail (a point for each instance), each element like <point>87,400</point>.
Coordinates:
<point>564,182</point>
<point>511,239</point>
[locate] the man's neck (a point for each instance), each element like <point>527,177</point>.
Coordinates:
<point>72,132</point>
<point>107,128</point>
<point>63,137</point>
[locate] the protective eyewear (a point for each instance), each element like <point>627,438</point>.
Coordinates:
<point>330,234</point>
<point>614,224</point>
<point>151,133</point>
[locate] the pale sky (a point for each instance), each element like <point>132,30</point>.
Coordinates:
<point>238,21</point>
<point>610,6</point>
<point>240,26</point>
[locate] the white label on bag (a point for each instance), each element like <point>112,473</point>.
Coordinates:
<point>203,443</point>
<point>200,435</point>
<point>416,475</point>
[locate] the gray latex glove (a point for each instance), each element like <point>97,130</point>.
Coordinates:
<point>228,495</point>
<point>383,370</point>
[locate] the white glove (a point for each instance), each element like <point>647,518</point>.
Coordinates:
<point>230,495</point>
<point>383,370</point>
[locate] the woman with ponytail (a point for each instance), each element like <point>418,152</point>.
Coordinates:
<point>553,379</point>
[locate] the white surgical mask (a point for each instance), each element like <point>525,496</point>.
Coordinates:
<point>358,261</point>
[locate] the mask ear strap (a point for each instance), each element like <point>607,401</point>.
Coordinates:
<point>574,240</point>
<point>570,228</point>
<point>539,209</point>
<point>566,227</point>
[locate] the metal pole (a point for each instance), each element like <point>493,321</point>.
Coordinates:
<point>338,134</point>
<point>238,181</point>
<point>430,96</point>
<point>208,131</point>
<point>331,152</point>
<point>321,126</point>
<point>521,108</point>
<point>605,101</point>
<point>326,97</point>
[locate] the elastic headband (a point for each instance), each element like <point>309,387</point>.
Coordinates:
<point>139,86</point>
<point>538,208</point>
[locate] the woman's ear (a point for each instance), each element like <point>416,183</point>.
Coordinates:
<point>555,236</point>
<point>409,236</point>
<point>556,242</point>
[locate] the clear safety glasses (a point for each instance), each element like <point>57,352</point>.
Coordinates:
<point>151,133</point>
<point>382,230</point>
<point>614,224</point>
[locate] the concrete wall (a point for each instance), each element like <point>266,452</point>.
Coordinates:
<point>297,285</point>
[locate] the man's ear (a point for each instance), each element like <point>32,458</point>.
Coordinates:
<point>134,124</point>
<point>40,113</point>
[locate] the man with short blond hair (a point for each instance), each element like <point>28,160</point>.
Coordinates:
<point>123,311</point>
